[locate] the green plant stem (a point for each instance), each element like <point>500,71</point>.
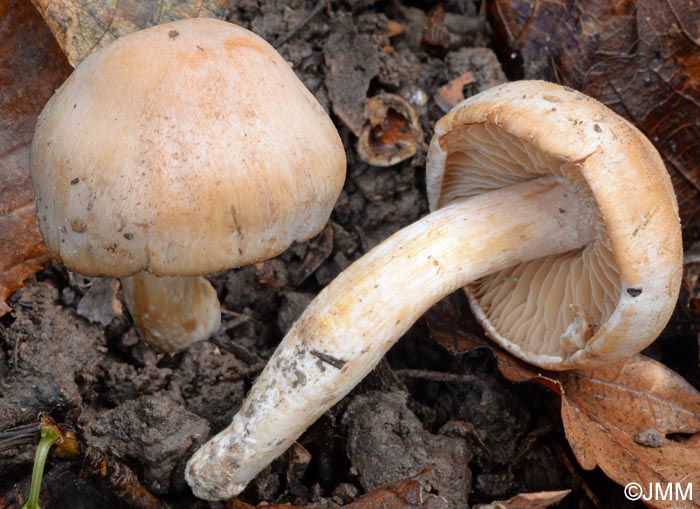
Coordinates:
<point>49,436</point>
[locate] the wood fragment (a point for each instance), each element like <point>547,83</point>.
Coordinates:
<point>305,21</point>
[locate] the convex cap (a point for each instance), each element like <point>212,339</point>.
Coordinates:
<point>186,148</point>
<point>606,300</point>
<point>177,151</point>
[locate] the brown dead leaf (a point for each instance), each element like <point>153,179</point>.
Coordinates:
<point>448,96</point>
<point>639,57</point>
<point>393,29</point>
<point>82,26</point>
<point>352,63</point>
<point>540,500</point>
<point>451,324</point>
<point>407,494</point>
<point>606,411</point>
<point>298,459</point>
<point>320,248</point>
<point>100,304</point>
<point>435,33</point>
<point>31,68</point>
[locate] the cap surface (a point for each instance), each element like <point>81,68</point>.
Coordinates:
<point>595,305</point>
<point>184,149</point>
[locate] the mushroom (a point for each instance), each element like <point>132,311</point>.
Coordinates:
<point>556,214</point>
<point>178,151</point>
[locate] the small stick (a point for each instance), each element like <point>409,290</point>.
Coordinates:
<point>574,472</point>
<point>284,38</point>
<point>120,480</point>
<point>21,435</point>
<point>435,376</point>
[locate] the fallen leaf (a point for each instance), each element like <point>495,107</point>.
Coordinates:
<point>31,68</point>
<point>640,58</point>
<point>393,29</point>
<point>352,63</point>
<point>298,459</point>
<point>448,96</point>
<point>605,409</point>
<point>435,33</point>
<point>540,500</point>
<point>451,324</point>
<point>82,26</point>
<point>320,248</point>
<point>100,303</point>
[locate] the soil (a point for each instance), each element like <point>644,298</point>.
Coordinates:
<point>69,348</point>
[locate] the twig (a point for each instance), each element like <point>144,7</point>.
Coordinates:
<point>251,370</point>
<point>329,359</point>
<point>228,312</point>
<point>21,435</point>
<point>691,257</point>
<point>235,322</point>
<point>284,38</point>
<point>120,480</point>
<point>574,473</point>
<point>435,376</point>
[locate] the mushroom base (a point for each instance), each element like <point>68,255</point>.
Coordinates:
<point>171,313</point>
<point>352,323</point>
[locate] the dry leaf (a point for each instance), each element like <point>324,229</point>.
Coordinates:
<point>640,58</point>
<point>100,304</point>
<point>604,411</point>
<point>31,68</point>
<point>435,33</point>
<point>448,96</point>
<point>540,500</point>
<point>298,459</point>
<point>320,248</point>
<point>393,29</point>
<point>82,26</point>
<point>352,63</point>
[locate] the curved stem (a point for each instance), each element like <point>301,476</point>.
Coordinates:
<point>171,313</point>
<point>48,438</point>
<point>353,322</point>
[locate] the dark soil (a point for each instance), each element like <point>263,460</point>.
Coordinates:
<point>483,437</point>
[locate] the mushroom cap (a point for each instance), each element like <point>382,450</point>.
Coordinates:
<point>598,304</point>
<point>183,149</point>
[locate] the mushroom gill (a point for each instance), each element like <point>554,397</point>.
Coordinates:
<point>546,305</point>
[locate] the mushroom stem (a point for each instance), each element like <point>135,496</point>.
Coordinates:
<point>352,323</point>
<point>170,312</point>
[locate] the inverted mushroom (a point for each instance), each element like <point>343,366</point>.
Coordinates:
<point>556,214</point>
<point>178,151</point>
